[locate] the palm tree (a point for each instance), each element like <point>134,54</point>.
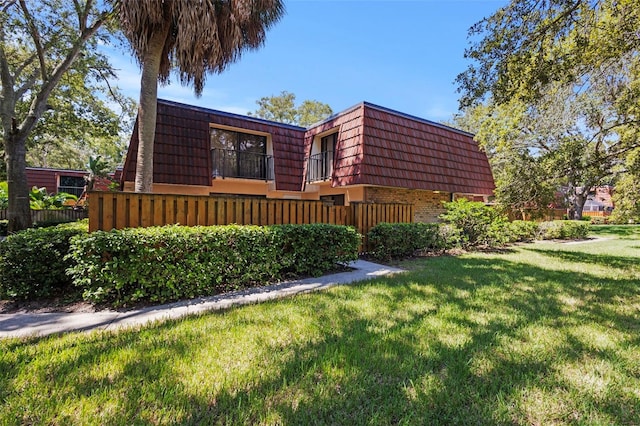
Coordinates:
<point>196,37</point>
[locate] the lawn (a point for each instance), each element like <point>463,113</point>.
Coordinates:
<point>543,333</point>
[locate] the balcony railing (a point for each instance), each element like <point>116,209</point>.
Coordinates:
<point>75,190</point>
<point>320,166</point>
<point>239,164</point>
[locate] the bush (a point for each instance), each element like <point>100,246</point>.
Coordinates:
<point>161,264</point>
<point>398,240</point>
<point>563,230</point>
<point>33,263</point>
<point>522,231</point>
<point>478,224</point>
<point>315,249</point>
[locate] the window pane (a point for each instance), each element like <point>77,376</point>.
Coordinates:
<point>223,139</point>
<point>252,143</point>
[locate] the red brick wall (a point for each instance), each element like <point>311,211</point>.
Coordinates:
<point>428,204</point>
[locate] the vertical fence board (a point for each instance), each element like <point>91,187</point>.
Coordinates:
<point>107,211</point>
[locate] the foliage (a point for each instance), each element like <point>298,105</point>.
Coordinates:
<point>4,195</point>
<point>314,249</point>
<point>53,82</point>
<point>626,196</point>
<point>161,264</point>
<point>402,240</point>
<point>563,230</point>
<point>39,199</point>
<point>282,108</point>
<point>33,262</point>
<point>524,46</point>
<point>543,334</point>
<point>566,75</point>
<point>478,224</point>
<point>522,231</point>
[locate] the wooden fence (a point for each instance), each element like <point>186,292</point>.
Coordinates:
<point>64,215</point>
<point>117,210</point>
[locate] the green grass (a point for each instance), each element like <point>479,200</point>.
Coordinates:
<point>544,333</point>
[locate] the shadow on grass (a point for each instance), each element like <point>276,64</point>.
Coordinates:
<point>620,231</point>
<point>621,262</point>
<point>453,343</point>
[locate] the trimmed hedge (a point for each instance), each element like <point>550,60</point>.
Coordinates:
<point>522,231</point>
<point>162,264</point>
<point>563,230</point>
<point>398,240</point>
<point>33,263</point>
<point>314,249</point>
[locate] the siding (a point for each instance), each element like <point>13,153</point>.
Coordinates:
<point>48,178</point>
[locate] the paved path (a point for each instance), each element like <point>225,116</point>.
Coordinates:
<point>32,324</point>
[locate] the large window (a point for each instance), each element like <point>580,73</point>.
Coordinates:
<point>320,166</point>
<point>238,154</point>
<point>72,185</point>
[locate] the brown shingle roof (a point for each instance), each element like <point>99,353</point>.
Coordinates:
<point>379,146</point>
<point>375,146</point>
<point>182,147</point>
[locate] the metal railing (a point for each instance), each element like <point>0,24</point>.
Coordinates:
<point>74,190</point>
<point>320,166</point>
<point>240,164</point>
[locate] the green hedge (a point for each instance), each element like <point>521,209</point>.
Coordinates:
<point>398,240</point>
<point>478,224</point>
<point>33,264</point>
<point>522,231</point>
<point>563,230</point>
<point>314,249</point>
<point>162,264</point>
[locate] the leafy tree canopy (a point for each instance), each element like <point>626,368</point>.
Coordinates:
<point>282,108</point>
<point>557,82</point>
<point>54,84</point>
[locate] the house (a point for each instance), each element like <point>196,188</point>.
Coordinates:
<point>57,180</point>
<point>366,153</point>
<point>64,180</point>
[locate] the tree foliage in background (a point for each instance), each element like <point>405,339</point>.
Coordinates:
<point>627,192</point>
<point>558,81</point>
<point>50,71</point>
<point>282,108</point>
<point>194,38</point>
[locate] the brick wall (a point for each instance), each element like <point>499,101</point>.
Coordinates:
<point>428,204</point>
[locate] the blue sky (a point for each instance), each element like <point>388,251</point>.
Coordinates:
<point>402,55</point>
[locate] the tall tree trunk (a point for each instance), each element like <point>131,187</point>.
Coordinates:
<point>19,211</point>
<point>147,112</point>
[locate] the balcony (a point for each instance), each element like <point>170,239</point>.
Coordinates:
<point>229,163</point>
<point>320,166</point>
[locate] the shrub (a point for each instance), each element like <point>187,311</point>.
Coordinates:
<point>33,263</point>
<point>316,248</point>
<point>522,230</point>
<point>161,264</point>
<point>398,240</point>
<point>563,230</point>
<point>478,224</point>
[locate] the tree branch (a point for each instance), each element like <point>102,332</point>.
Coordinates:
<point>35,35</point>
<point>39,103</point>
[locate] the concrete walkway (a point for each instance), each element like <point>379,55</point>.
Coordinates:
<point>26,324</point>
